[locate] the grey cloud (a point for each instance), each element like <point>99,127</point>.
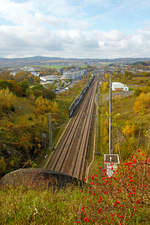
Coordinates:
<point>38,33</point>
<point>72,43</point>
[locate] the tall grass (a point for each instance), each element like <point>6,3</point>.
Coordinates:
<point>39,207</point>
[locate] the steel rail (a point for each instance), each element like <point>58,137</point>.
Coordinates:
<point>67,138</point>
<point>70,155</point>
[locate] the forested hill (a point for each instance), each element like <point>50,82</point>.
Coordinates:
<point>8,62</point>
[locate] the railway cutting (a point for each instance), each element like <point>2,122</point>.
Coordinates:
<point>70,157</point>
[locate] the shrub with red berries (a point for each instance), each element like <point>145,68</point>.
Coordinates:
<point>123,198</point>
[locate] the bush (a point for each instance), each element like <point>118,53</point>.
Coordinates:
<point>120,199</point>
<point>137,91</point>
<point>39,90</point>
<point>42,105</point>
<point>7,101</point>
<point>12,108</point>
<point>25,87</point>
<point>49,94</point>
<point>142,103</point>
<point>104,86</point>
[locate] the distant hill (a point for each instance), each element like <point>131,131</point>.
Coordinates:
<point>41,60</point>
<point>145,63</point>
<point>25,61</point>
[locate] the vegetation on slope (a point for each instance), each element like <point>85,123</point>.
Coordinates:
<point>130,117</point>
<point>122,199</point>
<point>24,128</point>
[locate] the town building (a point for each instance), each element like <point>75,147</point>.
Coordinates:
<point>49,79</point>
<point>73,74</point>
<point>117,86</point>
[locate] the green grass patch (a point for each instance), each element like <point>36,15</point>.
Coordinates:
<point>39,207</point>
<point>50,66</point>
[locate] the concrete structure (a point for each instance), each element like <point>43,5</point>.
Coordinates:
<point>35,73</point>
<point>73,75</point>
<point>117,86</point>
<point>13,73</point>
<point>111,162</point>
<point>49,79</point>
<point>31,70</point>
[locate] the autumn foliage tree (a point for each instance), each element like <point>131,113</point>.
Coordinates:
<point>6,75</point>
<point>38,90</point>
<point>18,88</point>
<point>12,85</point>
<point>128,129</point>
<point>42,105</point>
<point>24,75</point>
<point>7,101</point>
<point>142,103</point>
<point>104,86</point>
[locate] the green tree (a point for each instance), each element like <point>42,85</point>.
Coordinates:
<point>49,94</point>
<point>38,90</point>
<point>6,84</point>
<point>25,87</point>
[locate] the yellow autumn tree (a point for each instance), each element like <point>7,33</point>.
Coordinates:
<point>128,129</point>
<point>54,107</point>
<point>42,105</point>
<point>107,76</point>
<point>142,103</point>
<point>7,100</point>
<point>106,131</point>
<point>104,86</point>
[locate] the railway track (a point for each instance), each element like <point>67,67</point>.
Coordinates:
<point>70,157</point>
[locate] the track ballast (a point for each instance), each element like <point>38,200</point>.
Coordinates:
<point>70,157</point>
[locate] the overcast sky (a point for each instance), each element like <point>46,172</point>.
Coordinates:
<point>75,28</point>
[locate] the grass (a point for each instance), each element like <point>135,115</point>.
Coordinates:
<point>123,199</point>
<point>124,106</point>
<point>39,207</point>
<point>53,66</point>
<point>49,66</point>
<point>57,66</point>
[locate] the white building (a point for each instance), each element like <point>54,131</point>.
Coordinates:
<point>73,75</point>
<point>13,73</point>
<point>49,79</point>
<point>35,73</point>
<point>117,86</point>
